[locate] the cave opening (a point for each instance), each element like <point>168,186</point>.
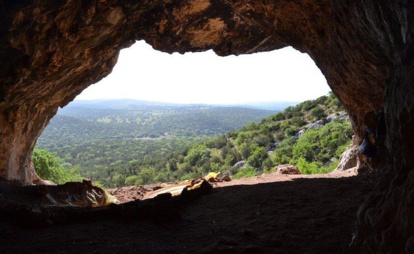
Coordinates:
<point>130,106</point>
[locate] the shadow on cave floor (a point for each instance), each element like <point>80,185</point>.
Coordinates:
<point>301,216</point>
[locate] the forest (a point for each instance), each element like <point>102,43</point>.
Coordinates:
<point>311,135</point>
<point>138,121</point>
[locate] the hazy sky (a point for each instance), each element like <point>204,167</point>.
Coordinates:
<point>145,74</point>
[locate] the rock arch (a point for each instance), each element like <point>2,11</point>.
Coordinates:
<point>51,51</point>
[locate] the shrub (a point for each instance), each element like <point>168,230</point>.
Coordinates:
<point>245,172</point>
<point>318,113</point>
<point>188,176</point>
<point>131,180</point>
<point>291,131</point>
<point>306,167</point>
<point>278,117</point>
<point>256,158</point>
<point>307,146</point>
<point>283,152</point>
<point>267,164</point>
<point>298,121</point>
<point>145,176</point>
<point>308,105</point>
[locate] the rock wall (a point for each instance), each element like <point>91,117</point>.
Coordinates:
<point>51,50</point>
<point>386,220</point>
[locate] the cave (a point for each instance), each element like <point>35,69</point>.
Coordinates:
<point>51,51</point>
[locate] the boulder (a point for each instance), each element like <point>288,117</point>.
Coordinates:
<point>339,115</point>
<point>239,164</point>
<point>300,133</point>
<point>314,125</point>
<point>348,160</point>
<point>272,147</point>
<point>287,169</point>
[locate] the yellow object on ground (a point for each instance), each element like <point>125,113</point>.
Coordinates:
<point>176,189</point>
<point>211,175</point>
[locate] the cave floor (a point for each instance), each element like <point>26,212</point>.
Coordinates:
<point>257,215</point>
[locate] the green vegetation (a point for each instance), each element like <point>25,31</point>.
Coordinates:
<point>110,141</point>
<point>300,135</point>
<point>271,142</point>
<point>49,167</point>
<point>316,150</point>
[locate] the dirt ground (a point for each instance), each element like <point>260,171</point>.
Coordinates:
<point>271,213</point>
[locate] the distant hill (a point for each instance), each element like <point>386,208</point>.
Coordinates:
<point>120,103</point>
<point>139,104</point>
<point>129,119</point>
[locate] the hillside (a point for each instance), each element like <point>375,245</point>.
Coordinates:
<point>310,135</point>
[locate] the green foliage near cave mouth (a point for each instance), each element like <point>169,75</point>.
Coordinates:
<point>317,151</point>
<point>49,167</point>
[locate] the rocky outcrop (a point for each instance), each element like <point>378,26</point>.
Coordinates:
<point>341,116</point>
<point>239,164</point>
<point>386,220</point>
<point>51,50</point>
<point>287,169</point>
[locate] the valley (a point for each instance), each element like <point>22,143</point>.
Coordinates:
<point>107,144</point>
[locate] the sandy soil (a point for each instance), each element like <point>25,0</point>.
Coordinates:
<point>266,214</point>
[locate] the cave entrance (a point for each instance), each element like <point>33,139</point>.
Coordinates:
<point>98,131</point>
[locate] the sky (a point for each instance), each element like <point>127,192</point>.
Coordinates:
<point>143,73</point>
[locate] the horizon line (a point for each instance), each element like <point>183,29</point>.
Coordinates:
<point>169,102</point>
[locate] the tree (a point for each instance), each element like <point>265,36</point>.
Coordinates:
<point>131,180</point>
<point>258,156</point>
<point>49,167</point>
<point>283,152</point>
<point>118,180</point>
<point>198,155</point>
<point>290,131</point>
<point>146,176</point>
<point>318,113</point>
<point>307,146</point>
